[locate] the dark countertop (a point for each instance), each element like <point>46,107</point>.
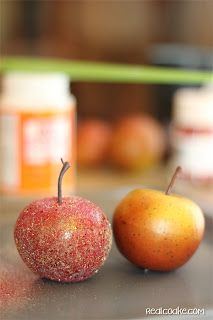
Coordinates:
<point>119,290</point>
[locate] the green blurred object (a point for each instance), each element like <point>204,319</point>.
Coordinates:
<point>106,72</point>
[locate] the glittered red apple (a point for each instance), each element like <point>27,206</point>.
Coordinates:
<point>156,230</point>
<point>64,239</point>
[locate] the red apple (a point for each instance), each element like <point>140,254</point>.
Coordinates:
<point>63,239</point>
<point>138,142</point>
<point>93,139</point>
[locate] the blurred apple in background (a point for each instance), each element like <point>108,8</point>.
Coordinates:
<point>93,140</point>
<point>138,142</point>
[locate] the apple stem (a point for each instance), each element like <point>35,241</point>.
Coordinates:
<point>174,177</point>
<point>66,166</point>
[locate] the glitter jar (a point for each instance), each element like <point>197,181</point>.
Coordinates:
<point>192,134</point>
<point>37,118</point>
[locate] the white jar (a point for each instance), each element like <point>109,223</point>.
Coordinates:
<point>37,118</point>
<point>192,133</point>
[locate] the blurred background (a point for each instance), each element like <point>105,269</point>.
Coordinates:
<point>161,33</point>
<point>133,32</point>
<point>128,135</point>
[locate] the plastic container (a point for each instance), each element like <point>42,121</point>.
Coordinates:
<point>37,118</point>
<point>177,56</point>
<point>192,134</point>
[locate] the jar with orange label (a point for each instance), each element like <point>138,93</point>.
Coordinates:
<point>37,118</point>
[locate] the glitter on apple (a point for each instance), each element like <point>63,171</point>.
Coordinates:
<point>64,239</point>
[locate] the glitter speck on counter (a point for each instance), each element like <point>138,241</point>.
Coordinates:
<point>66,242</point>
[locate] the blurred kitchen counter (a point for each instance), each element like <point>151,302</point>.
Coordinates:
<point>89,182</point>
<point>93,179</point>
<point>107,182</point>
<point>155,178</point>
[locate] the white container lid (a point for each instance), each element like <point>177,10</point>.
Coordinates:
<point>193,108</point>
<point>39,92</point>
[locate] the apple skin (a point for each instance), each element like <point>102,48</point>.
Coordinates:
<point>156,231</point>
<point>93,141</point>
<point>65,242</point>
<point>138,142</point>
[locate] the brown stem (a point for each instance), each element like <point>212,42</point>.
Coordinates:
<point>66,166</point>
<point>174,177</point>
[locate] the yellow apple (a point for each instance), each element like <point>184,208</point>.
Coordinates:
<point>157,231</point>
